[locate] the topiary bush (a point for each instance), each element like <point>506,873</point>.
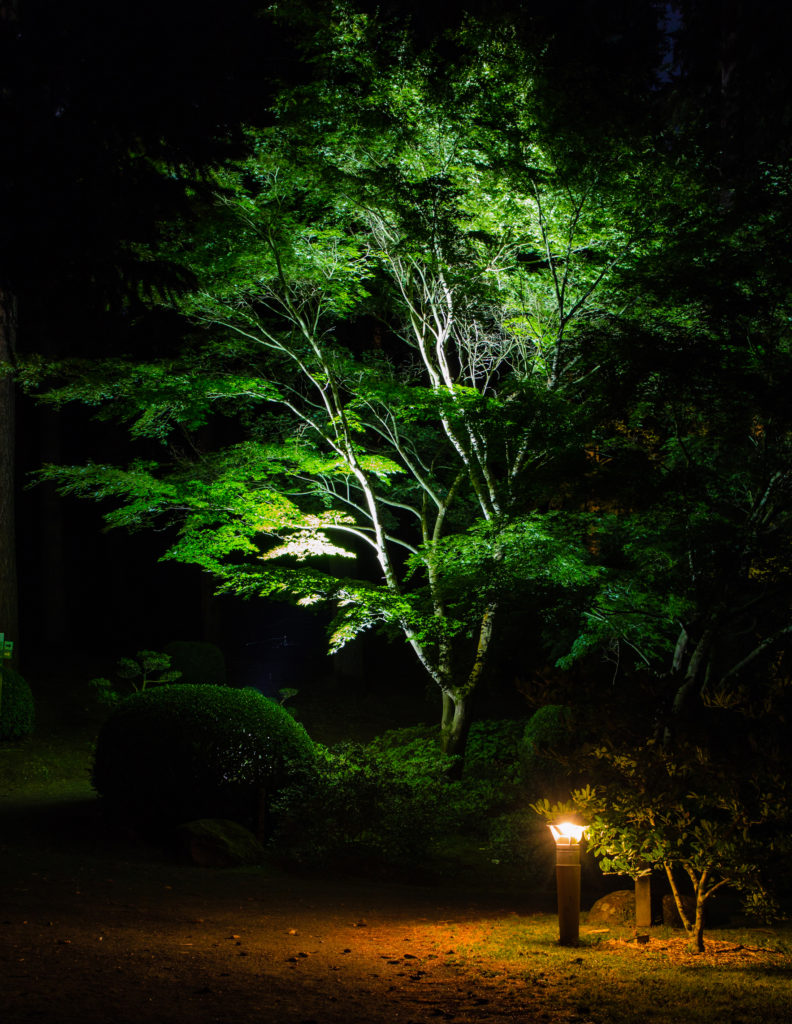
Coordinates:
<point>146,669</point>
<point>17,708</point>
<point>197,661</point>
<point>181,752</point>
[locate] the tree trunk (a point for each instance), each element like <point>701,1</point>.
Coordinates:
<point>53,625</point>
<point>688,677</point>
<point>9,607</point>
<point>694,928</point>
<point>697,932</point>
<point>457,700</point>
<point>686,922</point>
<point>455,723</point>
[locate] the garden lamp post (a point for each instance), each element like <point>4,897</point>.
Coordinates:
<point>567,838</point>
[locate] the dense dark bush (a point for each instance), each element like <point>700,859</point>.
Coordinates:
<point>17,710</point>
<point>355,810</point>
<point>382,805</point>
<point>493,749</point>
<point>548,735</point>
<point>180,752</point>
<point>197,661</point>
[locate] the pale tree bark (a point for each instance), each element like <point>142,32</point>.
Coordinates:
<point>456,719</point>
<point>458,350</point>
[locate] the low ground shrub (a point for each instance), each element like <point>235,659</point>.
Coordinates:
<point>181,752</point>
<point>466,803</point>
<point>519,839</point>
<point>17,709</point>
<point>362,807</point>
<point>493,750</point>
<point>354,810</point>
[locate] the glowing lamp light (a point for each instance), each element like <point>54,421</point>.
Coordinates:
<point>566,833</point>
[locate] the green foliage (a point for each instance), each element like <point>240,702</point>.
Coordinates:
<point>547,739</point>
<point>17,707</point>
<point>355,810</point>
<point>443,217</point>
<point>367,807</point>
<point>415,754</point>
<point>177,753</point>
<point>510,370</point>
<point>493,751</point>
<point>196,661</point>
<point>553,812</point>
<point>516,838</point>
<point>692,815</point>
<point>147,668</point>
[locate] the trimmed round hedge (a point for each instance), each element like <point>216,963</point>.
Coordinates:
<point>180,752</point>
<point>17,710</point>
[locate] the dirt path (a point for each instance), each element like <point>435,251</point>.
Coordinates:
<point>93,929</point>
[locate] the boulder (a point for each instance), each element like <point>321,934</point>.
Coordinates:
<point>218,843</point>
<point>615,908</point>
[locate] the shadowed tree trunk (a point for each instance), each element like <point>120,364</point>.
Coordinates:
<point>455,723</point>
<point>9,608</point>
<point>52,598</point>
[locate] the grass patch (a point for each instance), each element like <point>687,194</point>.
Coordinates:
<point>43,766</point>
<point>743,977</point>
<point>56,758</point>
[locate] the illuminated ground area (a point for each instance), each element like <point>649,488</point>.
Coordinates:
<point>97,928</point>
<point>94,928</point>
<point>111,935</point>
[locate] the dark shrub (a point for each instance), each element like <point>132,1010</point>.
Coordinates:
<point>493,750</point>
<point>520,839</point>
<point>548,738</point>
<point>198,662</point>
<point>181,752</point>
<point>17,711</point>
<point>383,805</point>
<point>359,809</point>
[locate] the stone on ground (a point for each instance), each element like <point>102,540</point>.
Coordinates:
<point>615,908</point>
<point>218,843</point>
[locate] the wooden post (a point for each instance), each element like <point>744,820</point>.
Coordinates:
<point>643,901</point>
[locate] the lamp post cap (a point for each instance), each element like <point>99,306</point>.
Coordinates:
<point>567,833</point>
